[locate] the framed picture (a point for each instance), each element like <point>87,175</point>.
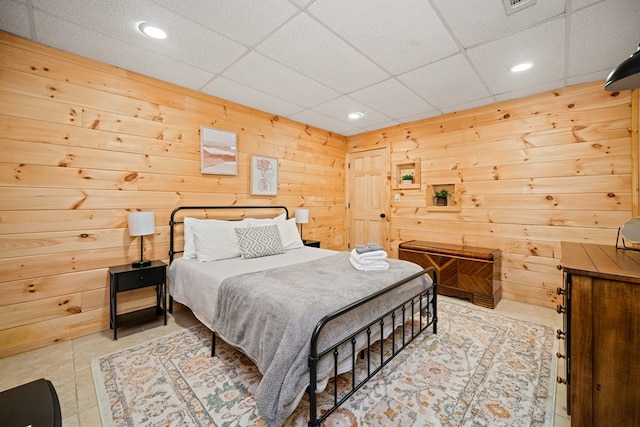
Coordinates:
<point>218,152</point>
<point>264,176</point>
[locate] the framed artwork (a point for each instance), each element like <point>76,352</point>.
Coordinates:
<point>264,176</point>
<point>218,152</point>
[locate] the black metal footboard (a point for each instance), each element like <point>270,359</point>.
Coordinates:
<point>421,308</point>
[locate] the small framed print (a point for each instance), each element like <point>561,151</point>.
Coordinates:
<point>218,152</point>
<point>264,176</point>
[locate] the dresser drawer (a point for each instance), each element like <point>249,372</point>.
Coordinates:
<point>140,278</point>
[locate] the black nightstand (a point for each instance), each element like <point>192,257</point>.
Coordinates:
<point>312,243</point>
<point>126,278</point>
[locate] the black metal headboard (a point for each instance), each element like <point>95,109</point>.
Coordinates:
<point>204,215</point>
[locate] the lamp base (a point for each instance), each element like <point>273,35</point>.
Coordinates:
<point>141,263</point>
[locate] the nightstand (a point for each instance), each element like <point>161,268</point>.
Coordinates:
<point>124,278</point>
<point>312,243</point>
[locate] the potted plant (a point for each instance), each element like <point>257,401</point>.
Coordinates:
<point>441,197</point>
<point>407,178</point>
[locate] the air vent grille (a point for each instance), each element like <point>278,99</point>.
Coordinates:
<point>513,6</point>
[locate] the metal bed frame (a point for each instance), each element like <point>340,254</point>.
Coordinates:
<point>421,307</point>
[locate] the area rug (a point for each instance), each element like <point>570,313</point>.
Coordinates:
<point>482,368</point>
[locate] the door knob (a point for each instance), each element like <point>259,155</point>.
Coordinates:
<point>382,215</point>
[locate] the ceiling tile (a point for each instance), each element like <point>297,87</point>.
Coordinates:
<point>319,120</point>
<point>382,125</point>
<point>278,80</point>
<point>585,78</point>
<point>352,132</point>
<point>386,33</point>
<point>186,42</point>
<point>417,117</point>
<point>72,38</point>
<point>392,99</point>
<point>603,34</point>
<point>14,18</point>
<point>307,46</point>
<point>340,108</point>
<point>468,105</point>
<point>246,21</point>
<point>579,4</point>
<point>449,82</point>
<point>241,94</point>
<point>478,21</point>
<point>302,3</point>
<point>542,45</point>
<point>529,91</point>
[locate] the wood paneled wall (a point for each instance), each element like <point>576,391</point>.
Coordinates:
<point>84,143</point>
<point>532,171</point>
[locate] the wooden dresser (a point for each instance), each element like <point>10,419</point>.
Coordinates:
<point>463,271</point>
<point>601,309</point>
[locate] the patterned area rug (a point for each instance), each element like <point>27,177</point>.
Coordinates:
<point>481,369</point>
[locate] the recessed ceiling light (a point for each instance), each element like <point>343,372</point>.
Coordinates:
<point>521,67</point>
<point>152,30</point>
<point>355,116</point>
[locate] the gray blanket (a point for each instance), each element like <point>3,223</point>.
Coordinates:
<point>271,314</point>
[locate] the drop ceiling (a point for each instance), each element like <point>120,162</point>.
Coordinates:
<point>315,61</point>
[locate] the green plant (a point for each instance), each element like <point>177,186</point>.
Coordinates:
<point>442,194</point>
<point>408,177</point>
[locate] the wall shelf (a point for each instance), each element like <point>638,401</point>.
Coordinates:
<point>452,200</point>
<point>405,167</point>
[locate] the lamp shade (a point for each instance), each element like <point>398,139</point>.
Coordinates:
<point>141,223</point>
<point>626,75</point>
<point>302,216</point>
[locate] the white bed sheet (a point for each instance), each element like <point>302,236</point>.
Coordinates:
<point>195,284</point>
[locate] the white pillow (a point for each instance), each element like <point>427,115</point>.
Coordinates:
<point>255,242</point>
<point>214,239</point>
<point>259,222</point>
<point>189,243</point>
<point>289,234</point>
<point>189,224</point>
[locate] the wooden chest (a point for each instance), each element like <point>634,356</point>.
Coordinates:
<point>463,271</point>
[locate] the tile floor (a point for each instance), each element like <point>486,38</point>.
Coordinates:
<point>68,364</point>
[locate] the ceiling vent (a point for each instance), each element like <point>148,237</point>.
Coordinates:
<point>513,6</point>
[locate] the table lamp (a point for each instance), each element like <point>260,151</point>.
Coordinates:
<point>141,224</point>
<point>302,217</point>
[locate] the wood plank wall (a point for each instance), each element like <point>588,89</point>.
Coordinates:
<point>532,171</point>
<point>84,143</point>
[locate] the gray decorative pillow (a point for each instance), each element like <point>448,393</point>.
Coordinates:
<point>255,242</point>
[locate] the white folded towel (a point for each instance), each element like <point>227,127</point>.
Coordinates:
<point>368,257</point>
<point>373,266</point>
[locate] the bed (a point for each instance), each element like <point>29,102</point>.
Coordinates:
<point>302,314</point>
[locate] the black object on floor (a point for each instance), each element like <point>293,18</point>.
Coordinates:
<point>33,404</point>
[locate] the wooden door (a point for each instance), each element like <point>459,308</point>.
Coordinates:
<point>368,197</point>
